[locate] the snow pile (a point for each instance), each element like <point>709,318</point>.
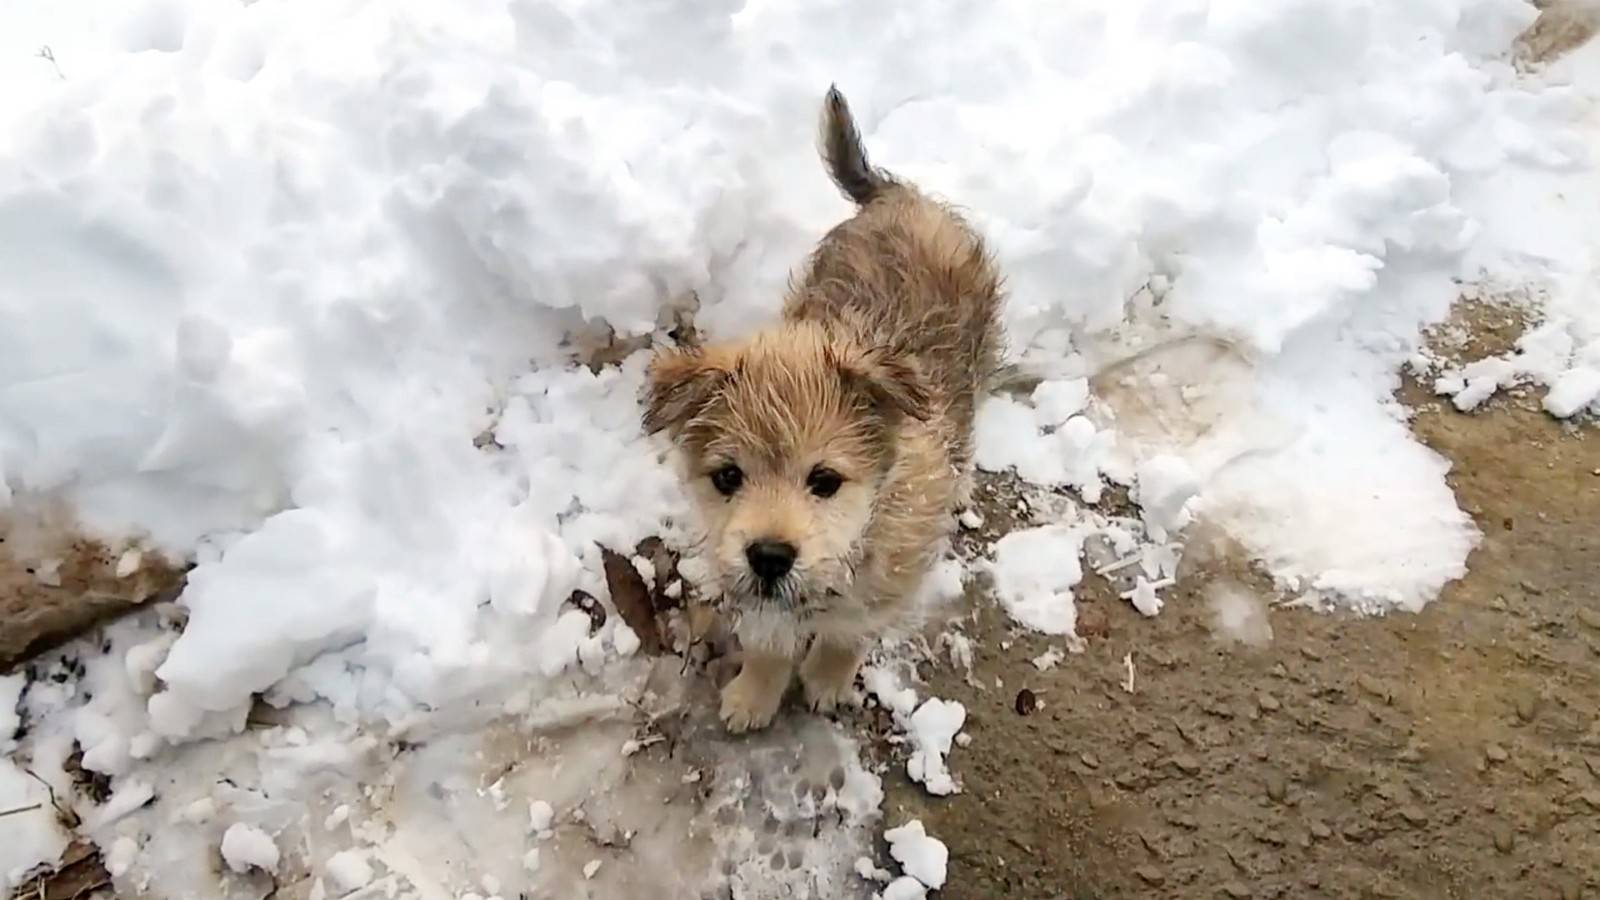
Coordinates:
<point>1541,253</point>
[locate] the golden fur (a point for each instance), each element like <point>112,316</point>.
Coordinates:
<point>845,432</point>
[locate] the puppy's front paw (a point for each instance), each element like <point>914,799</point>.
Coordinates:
<point>829,677</point>
<point>825,695</point>
<point>749,703</point>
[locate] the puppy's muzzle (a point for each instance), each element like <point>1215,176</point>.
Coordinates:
<point>770,561</point>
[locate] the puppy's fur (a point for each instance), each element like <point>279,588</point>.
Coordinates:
<point>829,452</point>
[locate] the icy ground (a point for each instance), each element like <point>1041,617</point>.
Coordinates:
<point>293,290</point>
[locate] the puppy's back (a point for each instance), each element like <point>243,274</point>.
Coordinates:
<point>904,272</point>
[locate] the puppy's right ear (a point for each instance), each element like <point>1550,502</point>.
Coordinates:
<point>679,384</point>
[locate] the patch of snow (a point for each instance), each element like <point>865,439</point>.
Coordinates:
<point>348,870</point>
<point>30,833</point>
<point>1035,570</point>
<point>245,847</point>
<point>919,854</point>
<point>932,728</point>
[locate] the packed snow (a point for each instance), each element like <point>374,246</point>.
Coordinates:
<point>294,291</point>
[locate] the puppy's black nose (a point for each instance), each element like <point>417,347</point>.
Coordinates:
<point>770,560</point>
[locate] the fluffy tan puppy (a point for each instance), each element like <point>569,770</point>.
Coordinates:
<point>826,455</point>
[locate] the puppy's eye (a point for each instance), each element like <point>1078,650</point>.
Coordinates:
<point>824,483</point>
<point>727,480</point>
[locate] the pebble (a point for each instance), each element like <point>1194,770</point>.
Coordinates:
<point>1310,653</point>
<point>1589,617</point>
<point>1277,788</point>
<point>1150,875</point>
<point>1186,764</point>
<point>1592,798</point>
<point>1279,670</point>
<point>1128,781</point>
<point>1496,753</point>
<point>1504,838</point>
<point>1236,890</point>
<point>1268,703</point>
<point>1527,705</point>
<point>1413,815</point>
<point>1090,760</point>
<point>1027,702</point>
<point>1321,831</point>
<point>1532,587</point>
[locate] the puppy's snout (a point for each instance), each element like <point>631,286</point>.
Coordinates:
<point>770,560</point>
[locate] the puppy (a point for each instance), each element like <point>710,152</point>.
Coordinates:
<point>826,455</point>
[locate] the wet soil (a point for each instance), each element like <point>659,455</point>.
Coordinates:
<point>1453,753</point>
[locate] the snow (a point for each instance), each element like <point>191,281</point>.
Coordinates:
<point>1034,572</point>
<point>932,729</point>
<point>348,870</point>
<point>11,687</point>
<point>245,847</point>
<point>919,854</point>
<point>124,851</point>
<point>28,837</point>
<point>290,291</point>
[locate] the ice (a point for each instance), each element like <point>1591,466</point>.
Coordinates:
<point>919,854</point>
<point>245,847</point>
<point>1035,570</point>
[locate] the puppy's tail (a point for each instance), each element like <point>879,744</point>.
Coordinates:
<point>844,155</point>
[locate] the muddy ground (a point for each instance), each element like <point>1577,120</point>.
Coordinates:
<point>1449,754</point>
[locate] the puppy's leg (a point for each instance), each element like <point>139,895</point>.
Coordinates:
<point>752,698</point>
<point>828,673</point>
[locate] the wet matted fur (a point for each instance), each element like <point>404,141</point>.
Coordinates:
<point>826,455</point>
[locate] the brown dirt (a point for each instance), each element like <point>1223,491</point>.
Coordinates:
<point>1450,754</point>
<point>55,584</point>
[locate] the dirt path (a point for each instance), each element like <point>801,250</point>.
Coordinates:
<point>1450,754</point>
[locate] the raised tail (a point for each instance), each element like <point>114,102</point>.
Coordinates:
<point>844,155</point>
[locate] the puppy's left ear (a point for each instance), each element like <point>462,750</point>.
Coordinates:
<point>679,384</point>
<point>893,380</point>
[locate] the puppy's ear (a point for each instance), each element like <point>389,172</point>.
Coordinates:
<point>679,384</point>
<point>893,380</point>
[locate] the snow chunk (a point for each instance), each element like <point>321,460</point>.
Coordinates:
<point>349,870</point>
<point>1035,570</point>
<point>933,727</point>
<point>920,855</point>
<point>903,888</point>
<point>10,717</point>
<point>541,815</point>
<point>1573,391</point>
<point>121,857</point>
<point>1165,486</point>
<point>246,847</point>
<point>30,837</point>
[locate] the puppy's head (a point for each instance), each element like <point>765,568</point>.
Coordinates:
<point>786,441</point>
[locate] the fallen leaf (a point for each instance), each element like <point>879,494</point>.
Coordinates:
<point>631,596</point>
